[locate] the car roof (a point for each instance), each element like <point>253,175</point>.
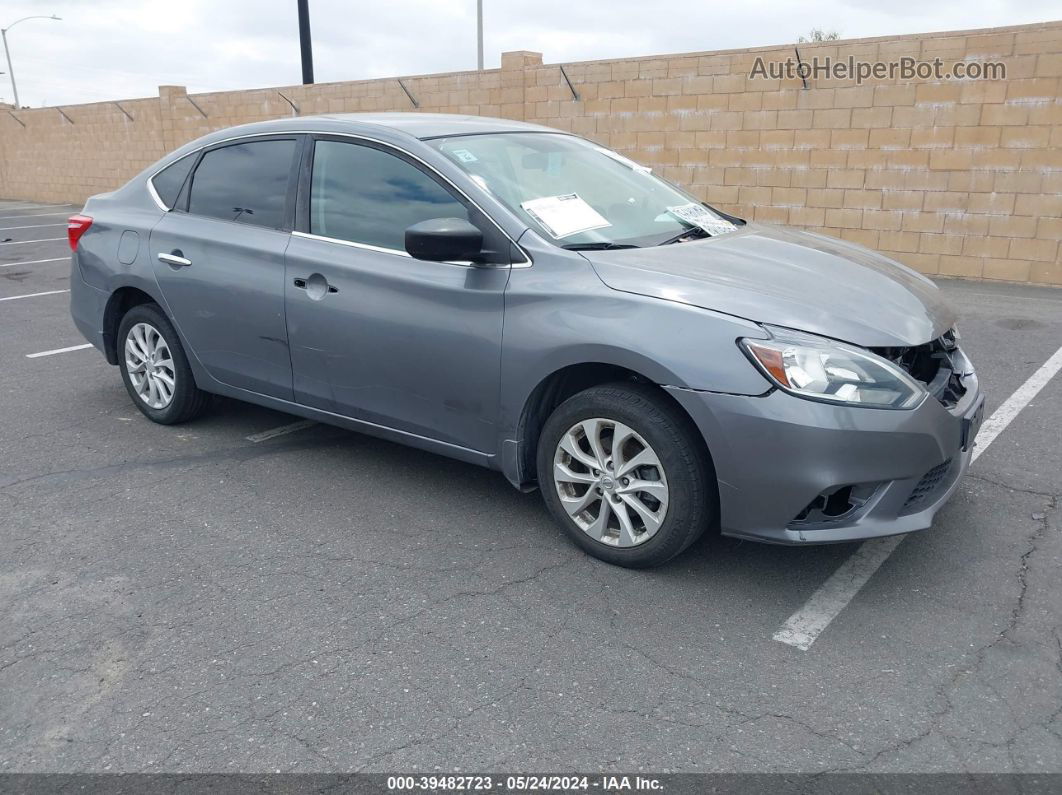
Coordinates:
<point>415,125</point>
<point>437,125</point>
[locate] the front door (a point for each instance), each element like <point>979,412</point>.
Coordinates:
<point>219,262</point>
<point>374,333</point>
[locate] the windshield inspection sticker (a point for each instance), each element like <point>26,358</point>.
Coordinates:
<point>700,216</point>
<point>465,156</point>
<point>564,215</point>
<point>624,160</point>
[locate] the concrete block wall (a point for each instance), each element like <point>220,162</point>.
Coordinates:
<point>952,177</point>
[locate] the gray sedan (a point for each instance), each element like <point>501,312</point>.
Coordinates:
<point>526,300</point>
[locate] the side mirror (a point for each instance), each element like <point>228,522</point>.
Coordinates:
<point>444,240</point>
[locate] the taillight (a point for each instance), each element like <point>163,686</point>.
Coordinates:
<point>76,226</point>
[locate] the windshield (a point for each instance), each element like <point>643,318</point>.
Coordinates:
<point>578,194</point>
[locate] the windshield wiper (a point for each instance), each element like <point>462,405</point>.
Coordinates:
<point>692,232</point>
<point>599,246</point>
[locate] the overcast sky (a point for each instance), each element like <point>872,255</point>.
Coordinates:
<point>117,49</point>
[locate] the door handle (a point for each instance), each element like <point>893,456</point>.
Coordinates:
<point>174,259</point>
<point>316,284</point>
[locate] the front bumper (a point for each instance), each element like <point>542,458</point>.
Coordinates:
<point>775,455</point>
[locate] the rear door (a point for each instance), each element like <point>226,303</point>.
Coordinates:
<point>219,261</point>
<point>376,334</point>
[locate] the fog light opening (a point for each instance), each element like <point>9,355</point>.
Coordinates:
<point>836,503</point>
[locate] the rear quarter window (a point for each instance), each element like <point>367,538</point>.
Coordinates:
<point>168,182</point>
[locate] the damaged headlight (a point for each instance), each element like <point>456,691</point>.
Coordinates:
<point>818,368</point>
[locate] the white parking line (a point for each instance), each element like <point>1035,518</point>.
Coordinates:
<point>1023,395</point>
<point>283,429</point>
<point>58,350</point>
<point>33,295</point>
<point>23,242</point>
<point>30,215</point>
<point>33,262</point>
<point>31,206</point>
<point>31,226</point>
<point>807,623</point>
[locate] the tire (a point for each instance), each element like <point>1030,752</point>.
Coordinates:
<point>185,400</point>
<point>684,479</point>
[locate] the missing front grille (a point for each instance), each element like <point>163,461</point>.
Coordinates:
<point>932,365</point>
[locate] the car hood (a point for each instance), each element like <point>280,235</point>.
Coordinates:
<point>789,278</point>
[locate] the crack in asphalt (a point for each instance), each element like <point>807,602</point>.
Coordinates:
<point>1010,487</point>
<point>980,655</point>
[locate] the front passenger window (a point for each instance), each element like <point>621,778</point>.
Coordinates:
<point>364,195</point>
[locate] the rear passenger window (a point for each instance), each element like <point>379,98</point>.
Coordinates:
<point>247,183</point>
<point>168,182</point>
<point>365,195</point>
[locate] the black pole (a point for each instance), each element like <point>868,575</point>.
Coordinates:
<point>305,43</point>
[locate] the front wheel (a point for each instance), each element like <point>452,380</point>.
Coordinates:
<point>155,369</point>
<point>625,474</point>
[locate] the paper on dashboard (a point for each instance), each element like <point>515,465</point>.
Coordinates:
<point>565,215</point>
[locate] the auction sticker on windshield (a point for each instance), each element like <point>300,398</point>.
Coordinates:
<point>699,216</point>
<point>565,215</point>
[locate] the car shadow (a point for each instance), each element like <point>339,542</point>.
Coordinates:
<point>763,570</point>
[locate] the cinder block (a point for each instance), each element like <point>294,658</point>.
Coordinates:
<point>1011,270</point>
<point>1038,250</point>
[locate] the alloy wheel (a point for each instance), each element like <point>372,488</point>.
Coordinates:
<point>611,482</point>
<point>150,365</point>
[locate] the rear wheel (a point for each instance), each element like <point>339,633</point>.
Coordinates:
<point>155,369</point>
<point>623,472</point>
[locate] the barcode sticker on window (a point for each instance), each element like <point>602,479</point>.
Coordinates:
<point>698,215</point>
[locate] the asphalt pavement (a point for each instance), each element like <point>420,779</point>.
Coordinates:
<point>191,599</point>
